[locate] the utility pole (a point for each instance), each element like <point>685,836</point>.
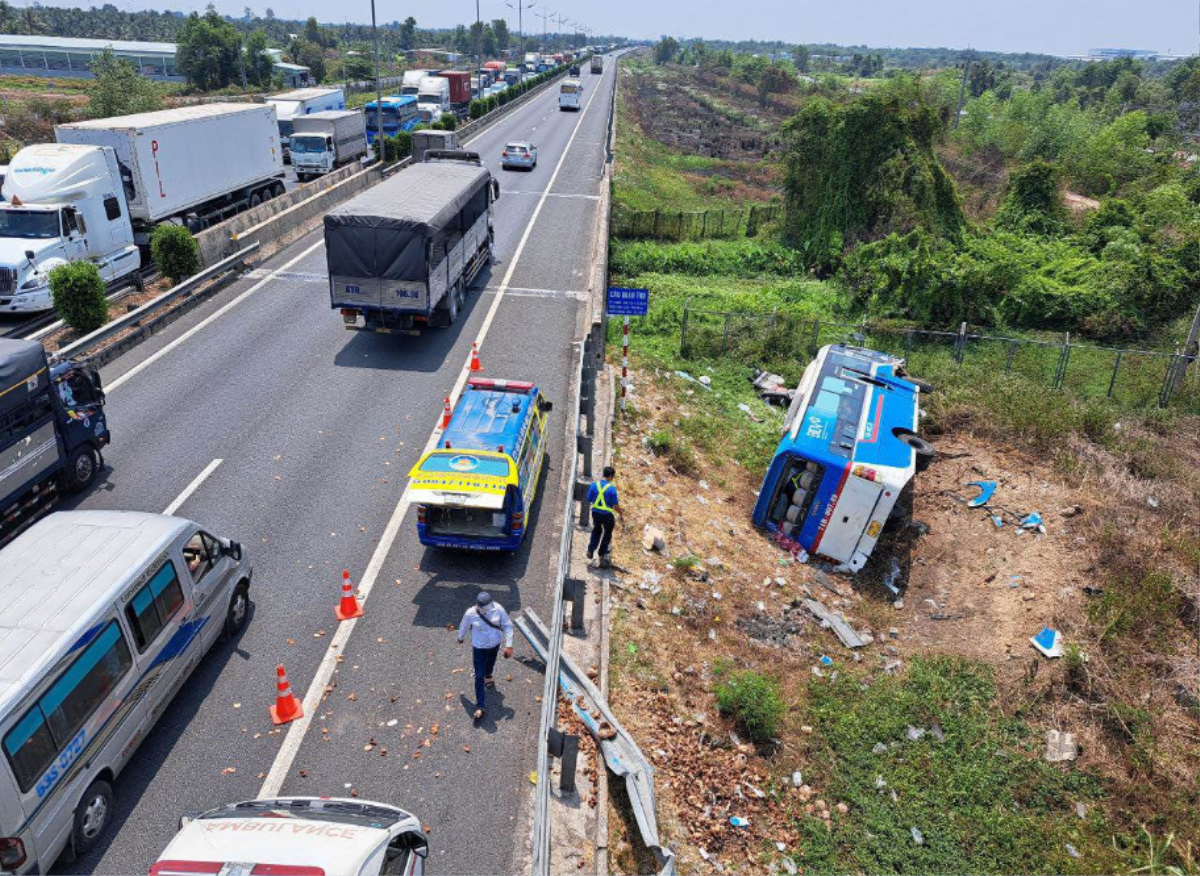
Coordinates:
<point>969,58</point>
<point>545,13</point>
<point>478,52</point>
<point>378,86</point>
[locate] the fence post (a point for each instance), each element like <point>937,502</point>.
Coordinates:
<point>725,342</point>
<point>1012,351</point>
<point>1112,381</point>
<point>683,329</point>
<point>960,344</point>
<point>657,214</point>
<point>1164,394</point>
<point>1061,373</point>
<point>908,345</point>
<point>771,321</point>
<point>679,227</point>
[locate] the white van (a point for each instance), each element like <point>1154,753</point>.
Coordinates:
<point>570,95</point>
<point>103,615</point>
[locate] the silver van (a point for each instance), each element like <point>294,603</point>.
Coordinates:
<point>103,615</point>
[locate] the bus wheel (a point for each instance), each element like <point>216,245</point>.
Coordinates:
<point>92,817</point>
<point>922,448</point>
<point>81,468</point>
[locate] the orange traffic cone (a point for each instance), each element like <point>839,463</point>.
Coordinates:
<point>475,366</point>
<point>349,606</point>
<point>287,707</point>
<point>446,415</point>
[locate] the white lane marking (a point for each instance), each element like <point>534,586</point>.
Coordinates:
<point>555,195</point>
<point>150,360</point>
<point>524,292</point>
<point>297,276</point>
<point>297,730</point>
<point>192,487</point>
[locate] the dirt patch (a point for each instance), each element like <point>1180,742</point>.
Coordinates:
<point>1080,203</point>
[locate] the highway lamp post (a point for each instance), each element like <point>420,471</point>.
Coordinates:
<point>520,7</point>
<point>478,52</point>
<point>378,86</point>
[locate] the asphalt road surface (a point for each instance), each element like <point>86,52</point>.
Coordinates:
<point>315,429</point>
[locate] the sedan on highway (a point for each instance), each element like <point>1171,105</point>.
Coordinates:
<point>299,836</point>
<point>519,154</point>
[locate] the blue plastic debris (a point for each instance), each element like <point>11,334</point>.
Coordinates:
<point>986,488</point>
<point>996,519</point>
<point>826,661</point>
<point>738,821</point>
<point>1048,641</point>
<point>1033,522</point>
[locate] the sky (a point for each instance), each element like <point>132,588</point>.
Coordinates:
<point>1061,27</point>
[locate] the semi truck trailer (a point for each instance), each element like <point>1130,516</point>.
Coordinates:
<point>323,141</point>
<point>292,105</point>
<point>98,193</point>
<point>402,255</point>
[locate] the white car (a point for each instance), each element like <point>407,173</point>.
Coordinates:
<point>299,836</point>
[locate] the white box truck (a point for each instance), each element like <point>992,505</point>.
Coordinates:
<point>411,84</point>
<point>323,141</point>
<point>291,105</point>
<point>98,193</point>
<point>433,98</point>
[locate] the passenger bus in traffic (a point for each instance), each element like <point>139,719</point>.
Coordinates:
<point>475,489</point>
<point>570,95</point>
<point>103,616</point>
<point>399,114</point>
<point>849,447</point>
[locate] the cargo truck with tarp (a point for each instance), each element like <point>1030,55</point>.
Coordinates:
<point>402,255</point>
<point>52,428</point>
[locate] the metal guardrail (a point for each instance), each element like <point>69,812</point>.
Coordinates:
<point>152,307</point>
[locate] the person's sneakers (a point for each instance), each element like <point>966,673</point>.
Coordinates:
<point>489,682</point>
<point>478,716</point>
<point>591,555</point>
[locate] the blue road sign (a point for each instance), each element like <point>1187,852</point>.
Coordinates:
<point>628,302</point>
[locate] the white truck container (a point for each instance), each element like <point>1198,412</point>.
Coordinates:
<point>61,204</point>
<point>291,105</point>
<point>323,141</point>
<point>433,98</point>
<point>411,83</point>
<point>198,163</point>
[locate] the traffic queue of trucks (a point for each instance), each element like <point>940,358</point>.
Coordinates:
<point>323,141</point>
<point>99,191</point>
<point>291,105</point>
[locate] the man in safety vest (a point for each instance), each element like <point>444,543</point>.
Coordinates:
<point>602,497</point>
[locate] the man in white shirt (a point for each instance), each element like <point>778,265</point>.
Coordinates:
<point>488,624</point>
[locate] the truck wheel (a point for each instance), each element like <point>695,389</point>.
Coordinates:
<point>452,306</point>
<point>81,468</point>
<point>255,200</point>
<point>239,610</point>
<point>92,817</point>
<point>277,189</point>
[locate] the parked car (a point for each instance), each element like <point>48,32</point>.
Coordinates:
<point>298,835</point>
<point>519,154</point>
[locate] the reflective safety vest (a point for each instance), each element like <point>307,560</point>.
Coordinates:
<point>599,504</point>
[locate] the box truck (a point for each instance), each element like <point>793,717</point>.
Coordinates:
<point>460,88</point>
<point>432,141</point>
<point>323,141</point>
<point>402,255</point>
<point>433,98</point>
<point>98,193</point>
<point>291,105</point>
<point>597,63</point>
<point>52,434</point>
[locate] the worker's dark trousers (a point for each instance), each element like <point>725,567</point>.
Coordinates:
<point>485,664</point>
<point>602,530</point>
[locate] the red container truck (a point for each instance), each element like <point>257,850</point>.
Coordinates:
<point>460,86</point>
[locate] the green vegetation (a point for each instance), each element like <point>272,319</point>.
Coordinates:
<point>676,449</point>
<point>77,290</point>
<point>175,252</point>
<point>119,90</point>
<point>982,800</point>
<point>210,54</point>
<point>751,699</point>
<point>394,148</point>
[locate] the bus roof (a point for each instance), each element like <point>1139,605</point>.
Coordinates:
<point>491,415</point>
<point>394,100</point>
<point>59,575</point>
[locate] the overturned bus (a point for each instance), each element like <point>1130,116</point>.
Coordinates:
<point>849,447</point>
<point>402,255</point>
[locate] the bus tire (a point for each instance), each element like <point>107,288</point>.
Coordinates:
<point>238,611</point>
<point>92,817</point>
<point>82,466</point>
<point>924,451</point>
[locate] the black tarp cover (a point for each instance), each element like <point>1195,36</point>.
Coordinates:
<point>20,364</point>
<point>382,232</point>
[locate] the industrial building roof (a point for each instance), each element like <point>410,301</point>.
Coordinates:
<point>62,44</point>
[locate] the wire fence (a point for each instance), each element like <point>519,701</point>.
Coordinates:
<point>1131,378</point>
<point>681,225</point>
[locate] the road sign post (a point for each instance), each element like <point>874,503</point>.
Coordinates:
<point>627,303</point>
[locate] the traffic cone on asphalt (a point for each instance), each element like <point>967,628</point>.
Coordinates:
<point>349,606</point>
<point>446,415</point>
<point>475,366</point>
<point>287,707</point>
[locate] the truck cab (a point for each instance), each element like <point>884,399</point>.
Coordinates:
<point>433,98</point>
<point>62,203</point>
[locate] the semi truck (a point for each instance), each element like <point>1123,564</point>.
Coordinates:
<point>291,105</point>
<point>433,98</point>
<point>98,193</point>
<point>52,429</point>
<point>402,255</point>
<point>323,141</point>
<point>460,88</point>
<point>597,63</point>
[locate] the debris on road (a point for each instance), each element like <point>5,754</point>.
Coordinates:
<point>1060,746</point>
<point>1048,642</point>
<point>986,489</point>
<point>836,622</point>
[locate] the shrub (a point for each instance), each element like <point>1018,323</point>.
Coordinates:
<point>77,290</point>
<point>394,148</point>
<point>175,252</point>
<point>478,108</point>
<point>676,450</point>
<point>753,701</point>
<point>449,121</point>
